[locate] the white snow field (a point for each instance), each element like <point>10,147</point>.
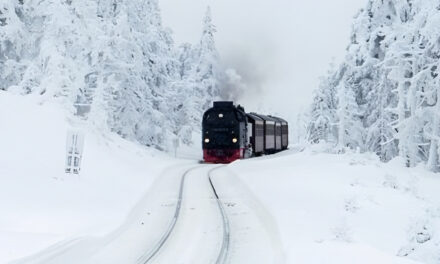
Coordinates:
<point>40,205</point>
<point>347,208</point>
<point>292,207</point>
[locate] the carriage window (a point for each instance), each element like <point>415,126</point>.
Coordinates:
<point>259,130</point>
<point>270,129</point>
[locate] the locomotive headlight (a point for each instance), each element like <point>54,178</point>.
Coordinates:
<point>234,140</point>
<point>207,140</point>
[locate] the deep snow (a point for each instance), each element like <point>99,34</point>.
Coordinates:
<point>347,208</point>
<point>39,203</point>
<point>293,207</point>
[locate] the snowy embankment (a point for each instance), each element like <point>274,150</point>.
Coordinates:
<point>327,208</point>
<point>348,208</point>
<point>40,204</point>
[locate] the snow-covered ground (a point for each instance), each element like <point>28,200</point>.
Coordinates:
<point>40,204</point>
<point>292,207</point>
<point>347,208</point>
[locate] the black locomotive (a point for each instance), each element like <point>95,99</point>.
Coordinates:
<point>229,133</point>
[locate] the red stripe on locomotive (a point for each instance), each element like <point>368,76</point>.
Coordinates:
<point>222,155</point>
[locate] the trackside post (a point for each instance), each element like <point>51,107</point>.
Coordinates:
<point>176,145</point>
<point>74,151</point>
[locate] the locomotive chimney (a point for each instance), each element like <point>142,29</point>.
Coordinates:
<point>223,104</point>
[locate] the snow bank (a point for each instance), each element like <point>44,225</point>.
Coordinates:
<point>327,208</point>
<point>348,208</point>
<point>41,205</point>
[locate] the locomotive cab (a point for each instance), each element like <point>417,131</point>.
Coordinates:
<point>224,131</point>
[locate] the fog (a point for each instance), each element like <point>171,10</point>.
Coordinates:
<point>279,47</point>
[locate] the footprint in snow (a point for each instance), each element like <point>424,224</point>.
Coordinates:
<point>352,205</point>
<point>390,182</point>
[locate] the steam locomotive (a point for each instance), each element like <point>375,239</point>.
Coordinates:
<point>229,133</point>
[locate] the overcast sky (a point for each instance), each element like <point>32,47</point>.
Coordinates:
<point>280,47</point>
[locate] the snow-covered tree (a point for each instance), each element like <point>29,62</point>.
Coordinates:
<point>112,63</point>
<point>391,71</point>
<point>349,124</point>
<point>323,116</point>
<point>14,45</point>
<point>207,71</point>
<point>201,76</point>
<point>380,137</point>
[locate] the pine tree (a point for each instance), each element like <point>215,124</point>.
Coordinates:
<point>200,76</point>
<point>390,75</point>
<point>111,62</point>
<point>381,134</point>
<point>13,44</point>
<point>322,126</point>
<point>207,69</point>
<point>348,124</point>
<point>434,149</point>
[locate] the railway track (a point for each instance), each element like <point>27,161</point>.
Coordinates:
<point>224,250</point>
<point>223,255</point>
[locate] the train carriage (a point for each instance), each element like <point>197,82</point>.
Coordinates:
<point>256,134</point>
<point>278,145</point>
<point>269,133</point>
<point>284,131</point>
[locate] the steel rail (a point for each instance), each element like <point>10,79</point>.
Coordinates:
<point>153,252</point>
<point>224,251</point>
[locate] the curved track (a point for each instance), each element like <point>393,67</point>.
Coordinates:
<point>223,253</point>
<point>226,230</point>
<point>149,255</point>
<point>182,219</point>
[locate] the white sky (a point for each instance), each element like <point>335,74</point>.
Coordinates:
<point>280,47</point>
